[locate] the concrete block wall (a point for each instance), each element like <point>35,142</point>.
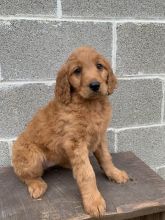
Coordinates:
<point>37,36</point>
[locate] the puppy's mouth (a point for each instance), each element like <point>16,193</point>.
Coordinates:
<point>87,93</point>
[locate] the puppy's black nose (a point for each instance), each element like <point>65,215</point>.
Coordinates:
<point>94,86</point>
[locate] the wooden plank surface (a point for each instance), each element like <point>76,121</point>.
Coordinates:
<point>156,216</point>
<point>144,194</point>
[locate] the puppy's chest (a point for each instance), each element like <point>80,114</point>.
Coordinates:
<point>96,127</point>
<point>95,123</point>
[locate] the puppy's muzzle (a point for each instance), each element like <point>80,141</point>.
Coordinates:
<point>94,86</point>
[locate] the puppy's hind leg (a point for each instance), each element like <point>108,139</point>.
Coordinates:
<point>28,160</point>
<point>36,187</point>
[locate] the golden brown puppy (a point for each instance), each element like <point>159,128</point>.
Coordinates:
<point>73,124</point>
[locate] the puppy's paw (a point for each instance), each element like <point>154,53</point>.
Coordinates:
<point>95,205</point>
<point>37,189</point>
<point>119,176</point>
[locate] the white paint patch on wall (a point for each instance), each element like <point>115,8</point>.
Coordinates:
<point>59,9</point>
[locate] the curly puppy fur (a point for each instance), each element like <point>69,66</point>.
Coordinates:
<point>70,126</point>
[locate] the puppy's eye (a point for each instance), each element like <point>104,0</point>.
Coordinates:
<point>99,66</point>
<point>77,71</point>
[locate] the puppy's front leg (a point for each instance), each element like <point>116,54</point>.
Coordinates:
<point>93,202</point>
<point>105,160</point>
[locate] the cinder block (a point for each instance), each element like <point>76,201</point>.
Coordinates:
<point>136,102</point>
<point>140,48</point>
<point>161,172</point>
<point>146,143</point>
<point>5,159</point>
<point>36,49</point>
<point>111,140</point>
<point>114,8</point>
<point>23,7</point>
<point>18,103</point>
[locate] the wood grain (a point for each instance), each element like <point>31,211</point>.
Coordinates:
<point>143,195</point>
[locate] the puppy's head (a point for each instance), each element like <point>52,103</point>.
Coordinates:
<point>87,73</point>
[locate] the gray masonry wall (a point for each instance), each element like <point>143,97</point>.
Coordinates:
<point>37,36</point>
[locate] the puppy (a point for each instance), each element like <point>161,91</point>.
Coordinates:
<point>70,126</point>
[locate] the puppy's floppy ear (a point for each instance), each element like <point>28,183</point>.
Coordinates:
<point>111,81</point>
<point>62,89</point>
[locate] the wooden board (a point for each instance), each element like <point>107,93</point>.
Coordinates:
<point>143,195</point>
